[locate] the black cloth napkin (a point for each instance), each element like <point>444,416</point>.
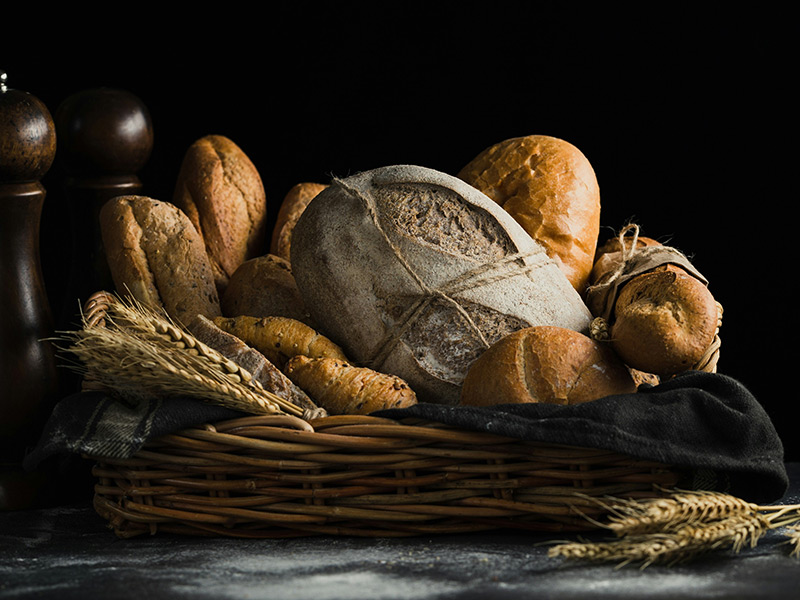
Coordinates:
<point>709,424</point>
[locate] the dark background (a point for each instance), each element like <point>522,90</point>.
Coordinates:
<point>685,117</point>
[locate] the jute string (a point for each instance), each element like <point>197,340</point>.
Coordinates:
<point>482,275</point>
<point>634,261</point>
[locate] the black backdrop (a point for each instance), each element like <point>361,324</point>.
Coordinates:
<point>684,116</point>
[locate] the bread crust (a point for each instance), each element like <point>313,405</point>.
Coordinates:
<point>545,364</point>
<point>156,256</point>
<point>344,389</point>
<point>664,322</point>
<point>293,205</point>
<point>264,287</point>
<point>221,191</point>
<point>549,187</point>
<point>661,317</point>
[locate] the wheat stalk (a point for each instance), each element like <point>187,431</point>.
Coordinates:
<point>659,514</point>
<point>682,526</point>
<point>793,537</point>
<point>137,352</point>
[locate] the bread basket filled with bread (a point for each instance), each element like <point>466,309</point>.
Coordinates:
<point>403,352</point>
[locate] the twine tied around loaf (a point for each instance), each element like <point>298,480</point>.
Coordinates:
<point>483,274</point>
<point>635,261</point>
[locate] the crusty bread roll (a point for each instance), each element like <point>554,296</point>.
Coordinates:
<point>280,338</point>
<point>344,389</point>
<point>156,256</point>
<point>664,322</point>
<point>658,313</point>
<point>545,364</point>
<point>264,287</point>
<point>221,191</point>
<point>549,187</point>
<point>293,205</point>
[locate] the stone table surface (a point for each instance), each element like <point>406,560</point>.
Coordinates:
<point>68,552</point>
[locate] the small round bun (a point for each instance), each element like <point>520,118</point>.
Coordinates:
<point>545,364</point>
<point>264,287</point>
<point>664,322</point>
<point>293,205</point>
<point>549,187</point>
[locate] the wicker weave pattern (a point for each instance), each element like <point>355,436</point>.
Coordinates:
<point>279,476</point>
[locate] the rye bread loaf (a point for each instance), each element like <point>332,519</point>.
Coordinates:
<point>415,273</point>
<point>221,191</point>
<point>156,256</point>
<point>545,364</point>
<point>550,188</point>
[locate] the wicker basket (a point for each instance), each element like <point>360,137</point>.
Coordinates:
<point>279,476</point>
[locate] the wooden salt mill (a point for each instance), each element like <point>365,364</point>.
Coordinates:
<point>105,137</point>
<point>28,376</point>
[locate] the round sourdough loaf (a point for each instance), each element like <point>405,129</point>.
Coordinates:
<point>550,188</point>
<point>220,190</point>
<point>156,256</point>
<point>545,364</point>
<point>415,273</point>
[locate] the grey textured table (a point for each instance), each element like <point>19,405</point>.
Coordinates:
<point>67,552</point>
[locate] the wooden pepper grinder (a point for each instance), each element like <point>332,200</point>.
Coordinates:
<point>28,376</point>
<point>105,137</point>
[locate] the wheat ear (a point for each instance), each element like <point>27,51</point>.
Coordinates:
<point>138,352</point>
<point>681,526</point>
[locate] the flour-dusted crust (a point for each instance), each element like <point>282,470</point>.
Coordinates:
<point>414,272</point>
<point>156,256</point>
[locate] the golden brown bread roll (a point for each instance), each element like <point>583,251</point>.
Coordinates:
<point>221,191</point>
<point>280,338</point>
<point>343,389</point>
<point>549,187</point>
<point>293,205</point>
<point>156,256</point>
<point>545,364</point>
<point>264,287</point>
<point>656,311</point>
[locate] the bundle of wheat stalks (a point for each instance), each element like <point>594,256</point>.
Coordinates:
<point>137,352</point>
<point>682,526</point>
